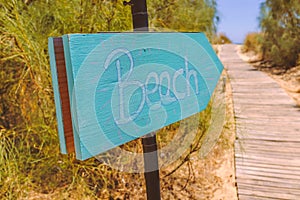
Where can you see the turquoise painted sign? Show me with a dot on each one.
(125, 85)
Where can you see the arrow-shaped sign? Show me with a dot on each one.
(122, 86)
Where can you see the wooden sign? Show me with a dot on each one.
(122, 86)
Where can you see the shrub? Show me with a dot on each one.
(279, 21)
(221, 38)
(252, 42)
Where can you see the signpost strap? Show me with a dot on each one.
(140, 23)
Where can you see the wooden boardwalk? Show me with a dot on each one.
(267, 147)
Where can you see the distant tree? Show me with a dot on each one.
(184, 15)
(221, 38)
(280, 23)
(252, 42)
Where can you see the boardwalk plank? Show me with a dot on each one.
(245, 196)
(272, 170)
(284, 129)
(272, 194)
(271, 176)
(288, 169)
(250, 145)
(268, 186)
(283, 161)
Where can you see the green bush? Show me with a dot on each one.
(279, 21)
(252, 42)
(183, 15)
(221, 39)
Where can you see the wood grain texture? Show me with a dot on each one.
(126, 85)
(61, 94)
(267, 148)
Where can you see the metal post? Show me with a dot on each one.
(151, 167)
(140, 23)
(139, 14)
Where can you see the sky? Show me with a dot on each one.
(238, 17)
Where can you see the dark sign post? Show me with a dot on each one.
(140, 23)
(139, 14)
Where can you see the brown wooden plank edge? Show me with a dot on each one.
(64, 93)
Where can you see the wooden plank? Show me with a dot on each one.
(261, 120)
(254, 96)
(274, 155)
(287, 168)
(261, 174)
(289, 130)
(255, 90)
(283, 165)
(244, 133)
(258, 184)
(282, 134)
(246, 115)
(261, 102)
(252, 83)
(251, 149)
(280, 149)
(246, 151)
(268, 186)
(251, 197)
(268, 191)
(61, 93)
(295, 173)
(278, 161)
(258, 119)
(253, 123)
(273, 194)
(253, 105)
(268, 146)
(279, 108)
(267, 113)
(267, 109)
(274, 143)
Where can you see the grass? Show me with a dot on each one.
(32, 164)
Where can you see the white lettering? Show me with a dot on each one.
(123, 84)
(179, 95)
(188, 78)
(162, 86)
